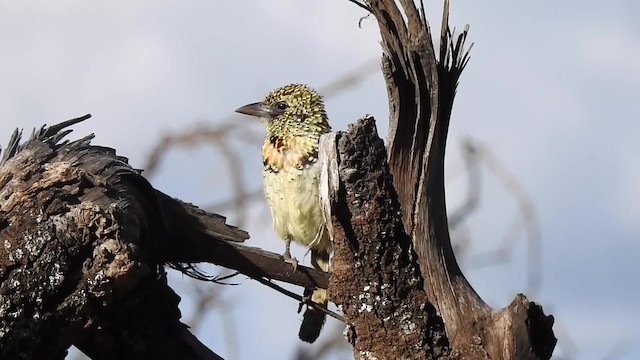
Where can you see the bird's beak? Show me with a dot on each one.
(256, 109)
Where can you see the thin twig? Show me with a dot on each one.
(362, 5)
(299, 298)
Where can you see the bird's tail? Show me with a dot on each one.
(313, 318)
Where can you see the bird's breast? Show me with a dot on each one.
(292, 195)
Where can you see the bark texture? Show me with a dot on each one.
(375, 277)
(83, 241)
(421, 84)
(81, 256)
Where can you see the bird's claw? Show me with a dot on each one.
(293, 261)
(287, 255)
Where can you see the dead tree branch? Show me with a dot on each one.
(375, 277)
(421, 84)
(84, 237)
(82, 243)
(203, 237)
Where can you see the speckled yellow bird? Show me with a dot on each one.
(294, 117)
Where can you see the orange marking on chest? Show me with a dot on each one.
(277, 153)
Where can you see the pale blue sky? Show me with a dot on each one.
(552, 88)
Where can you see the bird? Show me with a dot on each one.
(294, 117)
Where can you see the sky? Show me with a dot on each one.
(552, 90)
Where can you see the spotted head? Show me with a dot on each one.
(293, 110)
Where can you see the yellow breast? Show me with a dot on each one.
(292, 195)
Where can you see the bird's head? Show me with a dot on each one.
(293, 110)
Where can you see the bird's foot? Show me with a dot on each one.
(290, 260)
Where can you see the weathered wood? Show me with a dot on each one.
(375, 278)
(80, 262)
(421, 89)
(83, 240)
(204, 237)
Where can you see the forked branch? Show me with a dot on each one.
(421, 89)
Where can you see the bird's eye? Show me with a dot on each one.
(282, 105)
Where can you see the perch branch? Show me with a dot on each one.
(84, 238)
